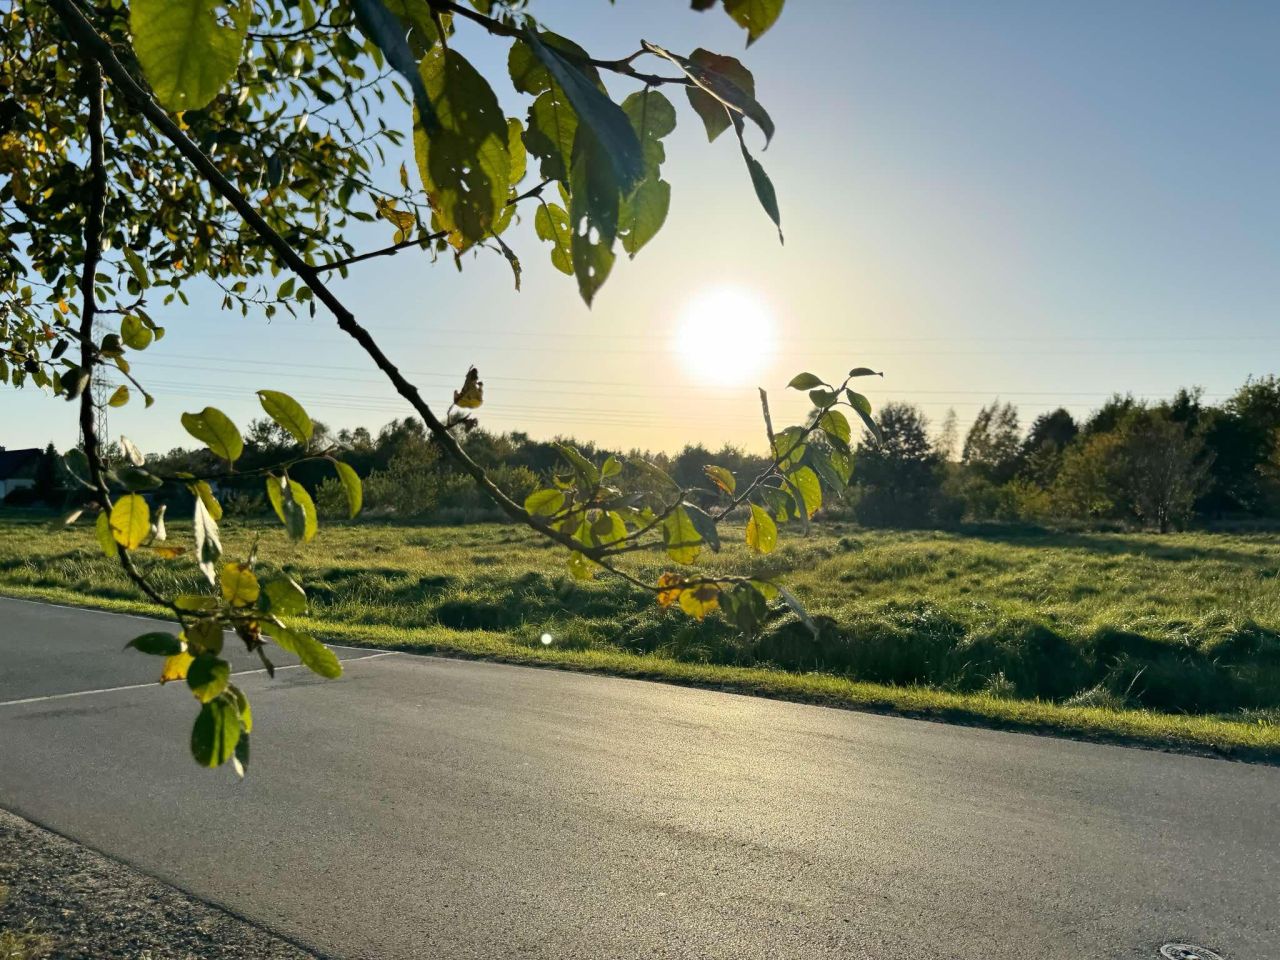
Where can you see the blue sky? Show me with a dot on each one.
(1044, 202)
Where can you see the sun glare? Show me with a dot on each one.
(725, 336)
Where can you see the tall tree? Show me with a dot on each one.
(992, 444)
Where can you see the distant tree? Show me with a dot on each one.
(46, 486)
(1242, 437)
(1107, 417)
(1041, 454)
(1149, 468)
(992, 444)
(948, 442)
(1162, 468)
(898, 478)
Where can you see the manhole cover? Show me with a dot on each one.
(1187, 951)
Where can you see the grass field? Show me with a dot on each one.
(1167, 640)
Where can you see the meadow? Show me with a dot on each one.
(1169, 640)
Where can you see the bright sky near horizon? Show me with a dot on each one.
(1045, 203)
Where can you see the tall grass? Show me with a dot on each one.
(1181, 624)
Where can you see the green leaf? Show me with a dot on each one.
(204, 636)
(246, 714)
(465, 164)
(709, 76)
(836, 424)
(580, 567)
(388, 33)
(315, 656)
(136, 479)
(135, 334)
(865, 372)
(805, 381)
(517, 156)
(595, 110)
(788, 448)
(195, 602)
(754, 16)
(130, 521)
(139, 270)
(858, 402)
(288, 413)
(642, 215)
(294, 506)
(207, 677)
(744, 606)
(544, 503)
(714, 114)
(156, 644)
(550, 130)
(593, 213)
(552, 223)
(705, 526)
(283, 597)
(120, 397)
(188, 49)
(765, 193)
(351, 486)
(644, 211)
(216, 733)
(213, 428)
(587, 475)
(681, 537)
(826, 465)
(762, 532)
(822, 398)
(863, 408)
(806, 481)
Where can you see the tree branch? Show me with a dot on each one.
(395, 248)
(94, 46)
(89, 358)
(500, 29)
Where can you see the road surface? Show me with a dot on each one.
(424, 807)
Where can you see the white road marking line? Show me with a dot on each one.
(138, 616)
(154, 683)
(67, 606)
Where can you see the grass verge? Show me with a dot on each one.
(1256, 741)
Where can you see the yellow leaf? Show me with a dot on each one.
(130, 521)
(239, 585)
(762, 532)
(175, 667)
(105, 539)
(472, 393)
(120, 397)
(670, 592)
(63, 308)
(700, 600)
(168, 552)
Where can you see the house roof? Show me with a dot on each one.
(16, 463)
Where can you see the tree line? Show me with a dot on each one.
(1161, 465)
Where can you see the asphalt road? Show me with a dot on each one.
(423, 807)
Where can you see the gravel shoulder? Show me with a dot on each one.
(88, 907)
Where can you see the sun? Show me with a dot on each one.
(725, 336)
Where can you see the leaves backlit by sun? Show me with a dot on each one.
(725, 336)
